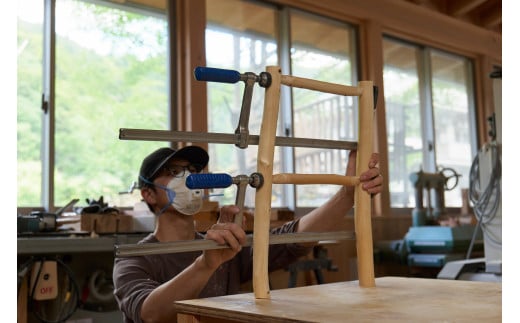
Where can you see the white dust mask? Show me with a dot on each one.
(183, 199)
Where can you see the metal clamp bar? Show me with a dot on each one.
(225, 138)
(144, 249)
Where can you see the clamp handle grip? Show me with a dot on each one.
(194, 181)
(212, 74)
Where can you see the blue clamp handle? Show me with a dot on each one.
(212, 74)
(194, 181)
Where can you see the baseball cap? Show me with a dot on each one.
(156, 160)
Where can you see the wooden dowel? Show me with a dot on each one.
(263, 194)
(304, 179)
(321, 86)
(362, 200)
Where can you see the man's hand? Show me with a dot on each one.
(224, 232)
(371, 180)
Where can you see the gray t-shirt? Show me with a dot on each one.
(136, 277)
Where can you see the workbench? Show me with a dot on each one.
(83, 255)
(394, 299)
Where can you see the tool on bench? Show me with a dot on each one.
(39, 221)
(204, 181)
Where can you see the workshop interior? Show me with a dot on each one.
(102, 83)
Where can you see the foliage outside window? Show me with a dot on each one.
(110, 73)
(29, 91)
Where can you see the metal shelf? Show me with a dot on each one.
(74, 244)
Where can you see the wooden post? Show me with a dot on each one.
(262, 214)
(23, 296)
(362, 200)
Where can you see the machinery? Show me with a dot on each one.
(436, 182)
(429, 244)
(485, 194)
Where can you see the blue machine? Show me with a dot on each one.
(434, 246)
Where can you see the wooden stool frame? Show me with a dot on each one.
(267, 141)
(362, 200)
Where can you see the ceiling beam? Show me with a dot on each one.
(462, 7)
(492, 18)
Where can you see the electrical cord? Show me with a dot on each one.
(485, 200)
(66, 302)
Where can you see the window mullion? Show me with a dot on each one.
(426, 102)
(47, 149)
(471, 103)
(284, 54)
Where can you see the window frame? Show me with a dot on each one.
(424, 56)
(433, 31)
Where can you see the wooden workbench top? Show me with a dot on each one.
(394, 299)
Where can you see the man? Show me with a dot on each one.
(147, 286)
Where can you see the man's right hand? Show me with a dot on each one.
(224, 232)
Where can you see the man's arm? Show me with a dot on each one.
(158, 306)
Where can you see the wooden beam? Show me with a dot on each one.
(409, 21)
(492, 18)
(461, 7)
(188, 95)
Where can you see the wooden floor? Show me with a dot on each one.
(394, 299)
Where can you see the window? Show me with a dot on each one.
(110, 73)
(308, 46)
(29, 91)
(323, 50)
(429, 117)
(242, 45)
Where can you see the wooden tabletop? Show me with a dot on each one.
(394, 299)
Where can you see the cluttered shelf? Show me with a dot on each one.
(99, 232)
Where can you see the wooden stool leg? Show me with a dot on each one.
(266, 147)
(362, 201)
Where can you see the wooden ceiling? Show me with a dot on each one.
(483, 13)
